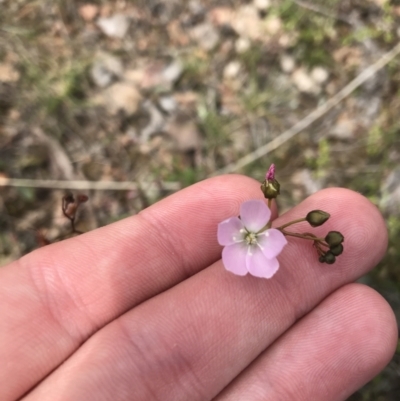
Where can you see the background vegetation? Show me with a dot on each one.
(165, 93)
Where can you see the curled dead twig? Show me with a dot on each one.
(70, 206)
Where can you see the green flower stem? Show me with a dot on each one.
(269, 224)
(303, 236)
(290, 223)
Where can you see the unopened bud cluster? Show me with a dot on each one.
(328, 248)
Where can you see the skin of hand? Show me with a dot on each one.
(143, 309)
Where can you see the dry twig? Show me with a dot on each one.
(85, 185)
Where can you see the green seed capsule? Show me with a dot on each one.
(330, 258)
(334, 238)
(317, 217)
(337, 249)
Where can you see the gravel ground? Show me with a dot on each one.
(161, 94)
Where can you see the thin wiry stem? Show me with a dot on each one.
(290, 223)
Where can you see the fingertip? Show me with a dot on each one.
(376, 326)
(361, 220)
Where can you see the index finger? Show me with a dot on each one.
(56, 297)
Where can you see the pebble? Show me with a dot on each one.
(319, 74)
(122, 96)
(273, 25)
(172, 71)
(287, 63)
(105, 69)
(168, 103)
(221, 16)
(304, 82)
(205, 35)
(242, 45)
(88, 12)
(262, 5)
(115, 26)
(247, 22)
(232, 70)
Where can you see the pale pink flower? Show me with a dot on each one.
(246, 249)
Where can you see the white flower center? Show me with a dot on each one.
(251, 238)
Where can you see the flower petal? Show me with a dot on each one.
(229, 231)
(255, 214)
(259, 266)
(234, 258)
(271, 242)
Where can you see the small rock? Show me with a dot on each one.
(155, 75)
(273, 25)
(286, 40)
(221, 16)
(122, 96)
(319, 75)
(205, 35)
(172, 72)
(242, 45)
(135, 76)
(115, 26)
(262, 5)
(304, 82)
(105, 69)
(88, 12)
(247, 23)
(168, 103)
(232, 70)
(380, 3)
(287, 63)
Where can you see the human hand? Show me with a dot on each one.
(143, 309)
